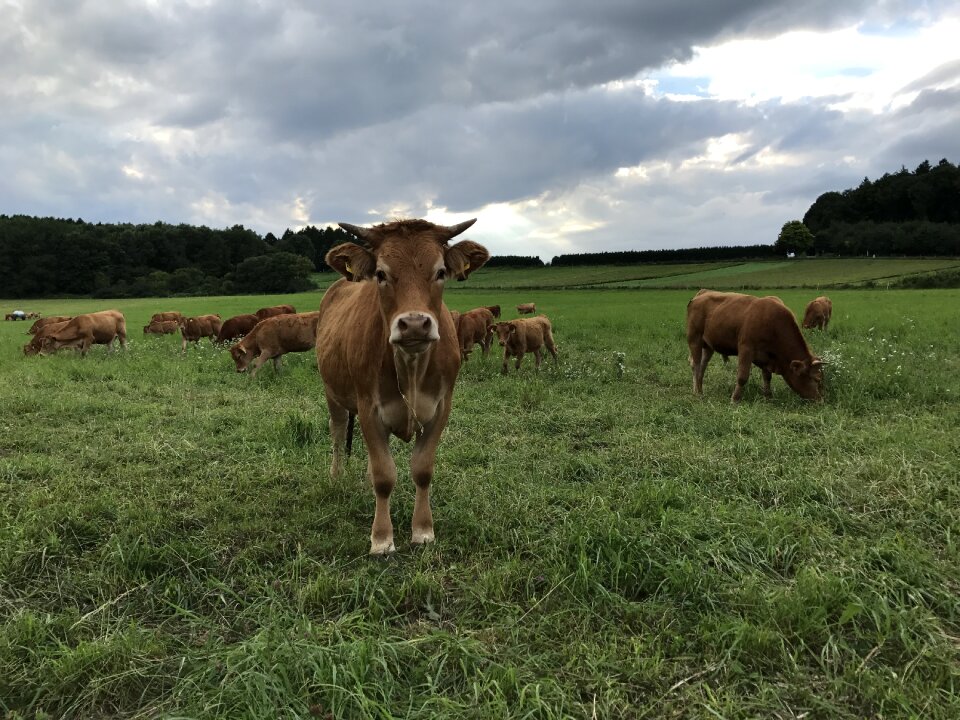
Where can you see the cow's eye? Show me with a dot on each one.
(381, 276)
(441, 274)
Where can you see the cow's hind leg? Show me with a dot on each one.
(745, 362)
(278, 364)
(551, 345)
(538, 357)
(421, 470)
(698, 363)
(766, 375)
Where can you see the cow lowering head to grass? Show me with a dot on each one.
(388, 353)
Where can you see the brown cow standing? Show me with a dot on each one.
(265, 312)
(82, 331)
(237, 327)
(388, 353)
(759, 331)
(202, 326)
(275, 337)
(43, 322)
(527, 308)
(36, 342)
(818, 313)
(475, 327)
(518, 337)
(164, 316)
(161, 327)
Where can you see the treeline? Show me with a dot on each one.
(43, 257)
(906, 213)
(517, 261)
(634, 257)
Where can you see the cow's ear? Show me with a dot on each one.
(465, 257)
(513, 329)
(352, 261)
(798, 366)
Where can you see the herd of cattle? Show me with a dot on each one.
(389, 351)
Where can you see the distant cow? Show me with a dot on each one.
(494, 310)
(36, 342)
(818, 313)
(266, 312)
(32, 315)
(164, 316)
(527, 308)
(161, 327)
(759, 331)
(16, 315)
(237, 327)
(387, 352)
(43, 322)
(519, 337)
(82, 331)
(192, 329)
(474, 327)
(273, 338)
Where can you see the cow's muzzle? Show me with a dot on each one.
(414, 332)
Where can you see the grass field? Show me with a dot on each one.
(609, 546)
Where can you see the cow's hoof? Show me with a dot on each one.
(422, 537)
(382, 549)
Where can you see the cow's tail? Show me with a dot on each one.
(350, 420)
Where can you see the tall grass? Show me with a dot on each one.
(171, 544)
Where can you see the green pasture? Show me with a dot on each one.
(608, 545)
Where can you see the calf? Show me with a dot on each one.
(163, 316)
(36, 342)
(519, 337)
(99, 328)
(202, 326)
(475, 327)
(265, 312)
(818, 313)
(43, 322)
(759, 331)
(273, 338)
(527, 308)
(160, 327)
(237, 327)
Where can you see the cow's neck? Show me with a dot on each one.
(411, 371)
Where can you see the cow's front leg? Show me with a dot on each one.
(257, 362)
(506, 357)
(766, 375)
(745, 361)
(382, 473)
(421, 470)
(538, 354)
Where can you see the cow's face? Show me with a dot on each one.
(241, 357)
(410, 262)
(504, 330)
(806, 378)
(32, 347)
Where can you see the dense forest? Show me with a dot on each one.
(905, 213)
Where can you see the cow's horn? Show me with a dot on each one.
(357, 231)
(454, 230)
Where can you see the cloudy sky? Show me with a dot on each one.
(563, 126)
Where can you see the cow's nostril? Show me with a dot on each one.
(426, 323)
(402, 325)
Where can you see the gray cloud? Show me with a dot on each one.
(239, 112)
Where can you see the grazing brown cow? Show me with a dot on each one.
(388, 353)
(527, 308)
(163, 316)
(759, 331)
(494, 310)
(161, 327)
(519, 337)
(202, 326)
(43, 322)
(265, 312)
(275, 337)
(82, 331)
(818, 313)
(475, 327)
(237, 327)
(32, 315)
(36, 342)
